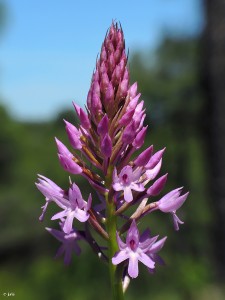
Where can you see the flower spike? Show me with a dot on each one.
(106, 151)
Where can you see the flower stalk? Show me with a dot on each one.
(115, 276)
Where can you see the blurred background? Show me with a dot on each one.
(177, 55)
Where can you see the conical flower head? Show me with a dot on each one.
(110, 79)
(113, 110)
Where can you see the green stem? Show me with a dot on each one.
(114, 272)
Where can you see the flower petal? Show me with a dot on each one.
(146, 260)
(154, 160)
(117, 186)
(60, 215)
(133, 266)
(81, 215)
(157, 246)
(119, 257)
(75, 196)
(145, 245)
(58, 234)
(115, 176)
(89, 202)
(44, 208)
(128, 196)
(145, 235)
(68, 255)
(138, 187)
(76, 248)
(127, 170)
(60, 251)
(133, 236)
(67, 227)
(120, 243)
(152, 173)
(176, 221)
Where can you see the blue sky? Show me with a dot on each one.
(49, 47)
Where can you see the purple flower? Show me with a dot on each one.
(75, 207)
(152, 253)
(50, 190)
(69, 243)
(170, 203)
(127, 181)
(135, 249)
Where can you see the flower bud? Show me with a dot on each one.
(103, 126)
(62, 149)
(109, 96)
(133, 90)
(69, 165)
(73, 135)
(122, 90)
(124, 121)
(84, 120)
(144, 157)
(96, 104)
(104, 82)
(103, 55)
(140, 138)
(172, 201)
(157, 186)
(117, 74)
(133, 102)
(112, 63)
(129, 133)
(106, 146)
(155, 159)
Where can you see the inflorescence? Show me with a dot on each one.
(103, 150)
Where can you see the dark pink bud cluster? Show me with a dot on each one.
(111, 129)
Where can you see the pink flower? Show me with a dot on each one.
(74, 207)
(135, 249)
(50, 190)
(127, 181)
(170, 203)
(69, 243)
